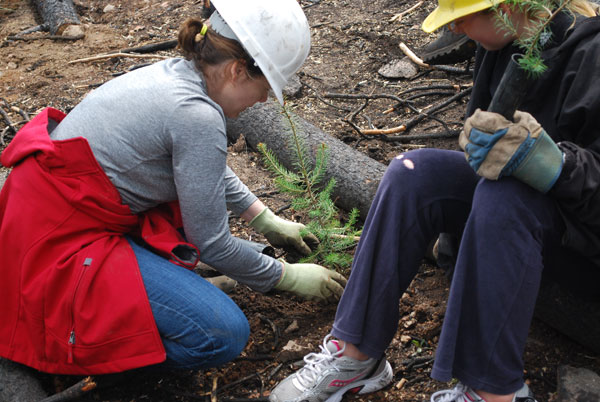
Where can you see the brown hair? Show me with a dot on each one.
(211, 48)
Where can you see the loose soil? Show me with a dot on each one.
(351, 41)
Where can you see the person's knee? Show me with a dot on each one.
(214, 346)
(229, 339)
(499, 199)
(238, 334)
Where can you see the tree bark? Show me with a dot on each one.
(357, 176)
(19, 383)
(57, 14)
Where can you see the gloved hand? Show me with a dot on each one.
(312, 282)
(280, 232)
(496, 147)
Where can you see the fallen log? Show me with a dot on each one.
(19, 383)
(357, 176)
(57, 15)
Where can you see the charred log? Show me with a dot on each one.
(19, 383)
(57, 15)
(357, 176)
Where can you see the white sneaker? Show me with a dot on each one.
(328, 375)
(463, 393)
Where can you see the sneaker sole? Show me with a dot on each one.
(367, 385)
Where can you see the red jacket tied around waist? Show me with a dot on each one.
(72, 297)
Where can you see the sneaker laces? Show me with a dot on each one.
(450, 395)
(316, 363)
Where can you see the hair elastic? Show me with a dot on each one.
(201, 34)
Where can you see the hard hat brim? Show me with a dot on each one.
(277, 72)
(444, 15)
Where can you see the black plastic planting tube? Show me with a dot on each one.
(513, 86)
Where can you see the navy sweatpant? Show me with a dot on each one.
(510, 233)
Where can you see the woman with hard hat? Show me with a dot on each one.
(523, 198)
(92, 261)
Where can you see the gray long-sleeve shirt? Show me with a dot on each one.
(160, 138)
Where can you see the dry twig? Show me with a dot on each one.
(399, 16)
(413, 57)
(213, 392)
(120, 54)
(273, 327)
(52, 37)
(74, 392)
(387, 131)
(151, 47)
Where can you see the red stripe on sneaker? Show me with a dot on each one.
(337, 345)
(341, 383)
(356, 389)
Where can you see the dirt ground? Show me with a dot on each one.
(351, 41)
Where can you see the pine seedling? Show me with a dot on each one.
(313, 198)
(538, 33)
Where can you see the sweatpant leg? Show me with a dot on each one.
(422, 193)
(511, 230)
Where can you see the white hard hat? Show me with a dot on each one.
(275, 33)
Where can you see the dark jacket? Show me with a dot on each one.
(565, 100)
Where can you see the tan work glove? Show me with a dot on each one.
(312, 282)
(496, 147)
(281, 232)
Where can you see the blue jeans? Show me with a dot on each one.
(200, 326)
(510, 235)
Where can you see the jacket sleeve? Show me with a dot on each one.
(577, 189)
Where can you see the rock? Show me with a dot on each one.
(292, 327)
(405, 339)
(74, 31)
(577, 385)
(399, 68)
(109, 8)
(292, 351)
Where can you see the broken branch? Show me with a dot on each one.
(387, 131)
(76, 391)
(53, 37)
(399, 16)
(151, 47)
(413, 57)
(113, 55)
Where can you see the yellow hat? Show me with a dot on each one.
(449, 10)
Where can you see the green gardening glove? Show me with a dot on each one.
(312, 282)
(496, 147)
(281, 233)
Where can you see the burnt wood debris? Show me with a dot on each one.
(58, 15)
